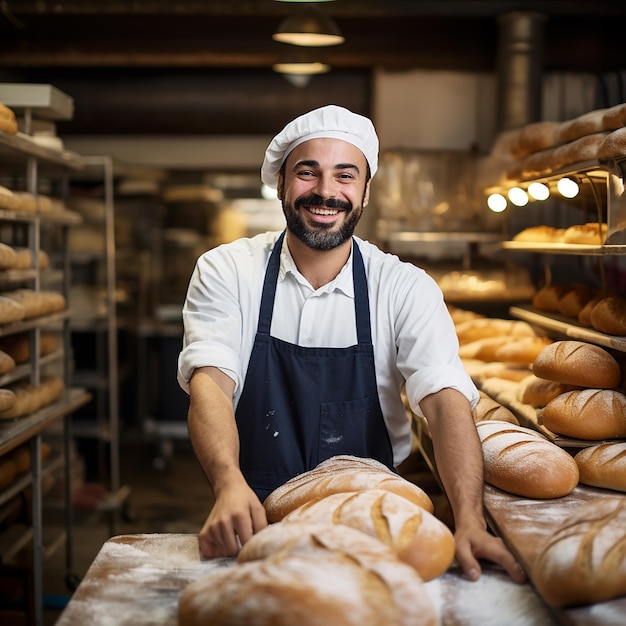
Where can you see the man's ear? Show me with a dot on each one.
(280, 186)
(366, 194)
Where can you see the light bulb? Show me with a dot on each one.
(567, 188)
(518, 196)
(496, 202)
(539, 191)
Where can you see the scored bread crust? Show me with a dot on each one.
(413, 534)
(603, 465)
(578, 363)
(305, 590)
(583, 562)
(342, 473)
(520, 461)
(593, 414)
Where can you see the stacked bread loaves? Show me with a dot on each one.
(584, 561)
(587, 305)
(346, 548)
(596, 409)
(523, 462)
(309, 575)
(8, 122)
(540, 148)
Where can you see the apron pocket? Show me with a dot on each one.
(354, 427)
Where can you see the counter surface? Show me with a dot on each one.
(136, 579)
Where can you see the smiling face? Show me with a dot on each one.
(323, 190)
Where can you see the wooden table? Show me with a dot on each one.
(135, 580)
(526, 525)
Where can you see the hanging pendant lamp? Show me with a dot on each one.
(309, 27)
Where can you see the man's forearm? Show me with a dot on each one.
(212, 426)
(458, 453)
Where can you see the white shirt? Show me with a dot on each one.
(412, 333)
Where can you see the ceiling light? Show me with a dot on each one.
(309, 1)
(309, 27)
(300, 62)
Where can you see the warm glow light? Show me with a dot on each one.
(567, 188)
(496, 202)
(539, 191)
(518, 196)
(309, 27)
(312, 67)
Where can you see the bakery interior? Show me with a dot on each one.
(139, 133)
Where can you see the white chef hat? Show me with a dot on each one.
(329, 121)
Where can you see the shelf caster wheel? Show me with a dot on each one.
(72, 581)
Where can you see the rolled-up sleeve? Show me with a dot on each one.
(428, 348)
(212, 320)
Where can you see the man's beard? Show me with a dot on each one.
(323, 237)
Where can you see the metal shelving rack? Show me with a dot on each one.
(21, 157)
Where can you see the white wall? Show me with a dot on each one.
(434, 110)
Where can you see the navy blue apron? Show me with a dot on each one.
(300, 406)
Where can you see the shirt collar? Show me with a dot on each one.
(343, 281)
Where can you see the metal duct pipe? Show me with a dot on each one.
(520, 68)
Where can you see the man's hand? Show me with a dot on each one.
(477, 543)
(235, 517)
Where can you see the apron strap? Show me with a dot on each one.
(361, 299)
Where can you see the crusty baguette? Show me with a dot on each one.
(583, 562)
(603, 465)
(578, 363)
(415, 536)
(339, 474)
(587, 414)
(523, 462)
(305, 590)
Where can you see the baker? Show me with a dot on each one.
(297, 345)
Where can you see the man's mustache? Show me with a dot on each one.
(329, 203)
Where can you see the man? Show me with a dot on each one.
(297, 346)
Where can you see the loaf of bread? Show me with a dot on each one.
(591, 233)
(614, 117)
(614, 145)
(603, 465)
(488, 409)
(523, 350)
(7, 399)
(8, 122)
(8, 472)
(573, 302)
(7, 256)
(311, 538)
(308, 590)
(7, 363)
(538, 391)
(609, 315)
(483, 349)
(539, 234)
(548, 297)
(520, 461)
(581, 126)
(578, 363)
(37, 303)
(584, 317)
(413, 534)
(583, 561)
(10, 310)
(340, 474)
(472, 330)
(534, 137)
(587, 414)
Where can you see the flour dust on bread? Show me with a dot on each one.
(339, 474)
